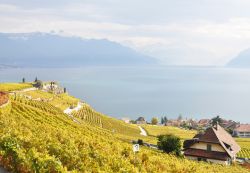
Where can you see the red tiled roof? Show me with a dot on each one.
(219, 136)
(206, 154)
(243, 128)
(204, 121)
(209, 136)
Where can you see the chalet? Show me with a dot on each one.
(215, 145)
(243, 130)
(141, 120)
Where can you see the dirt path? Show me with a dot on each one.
(77, 108)
(69, 111)
(143, 132)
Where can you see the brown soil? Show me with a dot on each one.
(4, 98)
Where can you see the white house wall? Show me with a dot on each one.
(203, 146)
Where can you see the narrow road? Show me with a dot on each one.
(24, 90)
(143, 132)
(69, 111)
(77, 108)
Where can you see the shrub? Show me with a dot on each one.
(140, 142)
(169, 144)
(154, 121)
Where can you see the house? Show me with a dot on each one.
(230, 125)
(204, 122)
(3, 98)
(174, 123)
(193, 124)
(126, 120)
(50, 86)
(242, 130)
(189, 123)
(214, 145)
(141, 120)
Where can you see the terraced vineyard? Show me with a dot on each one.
(36, 136)
(244, 153)
(61, 101)
(159, 130)
(14, 86)
(245, 147)
(125, 131)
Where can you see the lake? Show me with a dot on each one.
(194, 92)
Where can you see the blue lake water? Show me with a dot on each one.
(152, 91)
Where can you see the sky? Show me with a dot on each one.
(179, 32)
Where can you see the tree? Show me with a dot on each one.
(132, 121)
(179, 117)
(38, 84)
(36, 79)
(154, 121)
(216, 120)
(162, 120)
(64, 90)
(140, 142)
(165, 119)
(23, 80)
(169, 144)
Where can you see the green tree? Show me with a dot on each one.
(216, 120)
(132, 121)
(169, 144)
(23, 80)
(140, 142)
(179, 117)
(154, 121)
(38, 84)
(162, 120)
(165, 119)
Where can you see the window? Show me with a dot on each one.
(209, 147)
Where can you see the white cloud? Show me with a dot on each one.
(185, 42)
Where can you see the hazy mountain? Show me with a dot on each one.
(50, 50)
(241, 60)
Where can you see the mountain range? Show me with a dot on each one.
(242, 60)
(51, 50)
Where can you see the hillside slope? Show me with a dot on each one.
(36, 136)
